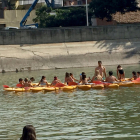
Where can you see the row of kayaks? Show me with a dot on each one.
(70, 88)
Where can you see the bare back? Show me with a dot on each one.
(111, 79)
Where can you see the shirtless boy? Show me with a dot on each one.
(101, 69)
(111, 78)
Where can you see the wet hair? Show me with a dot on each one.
(42, 78)
(32, 79)
(133, 72)
(119, 66)
(83, 77)
(26, 79)
(83, 73)
(138, 72)
(100, 62)
(20, 79)
(55, 78)
(28, 133)
(110, 73)
(71, 74)
(67, 74)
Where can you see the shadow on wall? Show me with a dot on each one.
(131, 47)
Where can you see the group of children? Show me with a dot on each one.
(100, 73)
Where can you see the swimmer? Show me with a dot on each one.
(26, 83)
(111, 78)
(84, 80)
(68, 78)
(71, 75)
(21, 82)
(120, 72)
(138, 74)
(97, 76)
(101, 69)
(55, 81)
(43, 82)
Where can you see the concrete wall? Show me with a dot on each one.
(66, 55)
(61, 35)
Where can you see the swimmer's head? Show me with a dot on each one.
(119, 66)
(99, 63)
(138, 72)
(55, 78)
(32, 79)
(26, 79)
(134, 73)
(110, 73)
(71, 74)
(20, 80)
(83, 73)
(67, 74)
(43, 78)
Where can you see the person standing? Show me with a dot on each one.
(101, 69)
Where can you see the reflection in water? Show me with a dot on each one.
(94, 114)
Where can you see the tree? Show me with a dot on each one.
(106, 8)
(75, 16)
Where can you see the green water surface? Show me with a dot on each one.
(95, 114)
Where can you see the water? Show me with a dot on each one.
(95, 114)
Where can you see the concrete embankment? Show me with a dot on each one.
(65, 55)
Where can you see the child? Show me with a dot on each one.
(120, 72)
(55, 81)
(68, 78)
(43, 82)
(84, 80)
(21, 83)
(111, 78)
(97, 76)
(26, 83)
(32, 79)
(81, 75)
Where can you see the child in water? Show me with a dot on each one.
(84, 80)
(55, 81)
(120, 72)
(43, 82)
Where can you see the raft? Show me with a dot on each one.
(49, 89)
(97, 86)
(84, 87)
(19, 89)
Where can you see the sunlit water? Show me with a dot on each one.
(95, 114)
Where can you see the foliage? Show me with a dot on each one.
(75, 16)
(106, 8)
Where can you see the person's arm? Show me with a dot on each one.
(124, 75)
(118, 73)
(75, 79)
(38, 84)
(71, 79)
(104, 72)
(47, 83)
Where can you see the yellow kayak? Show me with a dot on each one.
(126, 84)
(19, 90)
(9, 89)
(112, 86)
(98, 86)
(84, 87)
(36, 89)
(50, 89)
(68, 88)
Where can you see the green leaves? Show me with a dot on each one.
(75, 16)
(106, 8)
